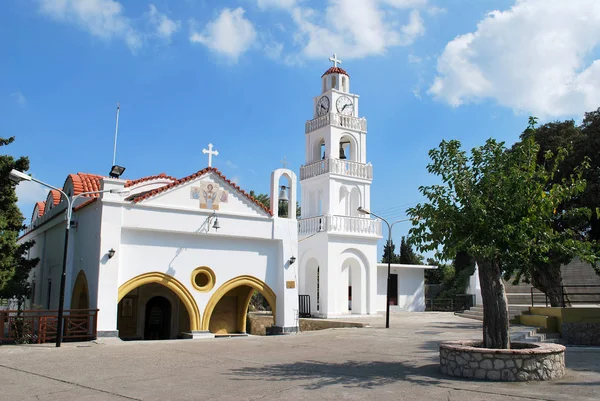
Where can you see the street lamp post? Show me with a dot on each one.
(18, 176)
(389, 261)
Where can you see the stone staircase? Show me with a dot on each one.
(476, 312)
(528, 334)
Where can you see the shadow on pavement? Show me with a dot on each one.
(349, 374)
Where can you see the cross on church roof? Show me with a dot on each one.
(210, 153)
(284, 162)
(335, 60)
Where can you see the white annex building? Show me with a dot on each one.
(162, 257)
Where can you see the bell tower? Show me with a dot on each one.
(336, 180)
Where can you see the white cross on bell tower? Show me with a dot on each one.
(335, 60)
(210, 152)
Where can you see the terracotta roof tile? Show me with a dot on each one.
(83, 182)
(200, 173)
(131, 183)
(40, 208)
(84, 204)
(55, 197)
(335, 70)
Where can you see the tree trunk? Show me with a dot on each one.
(495, 305)
(548, 279)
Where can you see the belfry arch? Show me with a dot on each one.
(226, 309)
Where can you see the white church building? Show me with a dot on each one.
(162, 257)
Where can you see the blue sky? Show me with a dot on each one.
(242, 74)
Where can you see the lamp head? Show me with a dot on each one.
(363, 210)
(116, 171)
(292, 260)
(119, 191)
(18, 176)
(216, 225)
(111, 253)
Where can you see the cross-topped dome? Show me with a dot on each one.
(335, 77)
(335, 69)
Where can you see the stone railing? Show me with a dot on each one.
(337, 166)
(336, 119)
(340, 224)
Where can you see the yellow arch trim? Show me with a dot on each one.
(249, 281)
(171, 283)
(81, 284)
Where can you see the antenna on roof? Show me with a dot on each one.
(116, 133)
(116, 171)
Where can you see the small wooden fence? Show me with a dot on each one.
(39, 326)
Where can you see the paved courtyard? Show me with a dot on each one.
(400, 363)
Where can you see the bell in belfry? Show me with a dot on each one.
(342, 154)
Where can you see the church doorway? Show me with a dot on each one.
(158, 319)
(227, 309)
(155, 306)
(393, 289)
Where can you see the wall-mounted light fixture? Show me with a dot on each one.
(116, 171)
(111, 253)
(292, 260)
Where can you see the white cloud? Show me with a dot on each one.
(353, 28)
(230, 164)
(230, 34)
(412, 59)
(29, 193)
(536, 57)
(265, 4)
(164, 26)
(101, 18)
(19, 98)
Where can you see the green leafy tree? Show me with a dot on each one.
(463, 268)
(442, 274)
(386, 250)
(408, 255)
(578, 213)
(14, 264)
(496, 206)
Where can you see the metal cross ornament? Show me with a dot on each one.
(335, 60)
(284, 162)
(210, 152)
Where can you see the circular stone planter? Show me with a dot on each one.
(523, 362)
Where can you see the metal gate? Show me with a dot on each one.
(304, 302)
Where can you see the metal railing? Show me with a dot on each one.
(459, 303)
(571, 294)
(39, 326)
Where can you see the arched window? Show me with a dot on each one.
(344, 84)
(334, 81)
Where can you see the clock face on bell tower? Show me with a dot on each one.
(344, 105)
(322, 105)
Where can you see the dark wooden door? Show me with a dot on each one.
(393, 289)
(158, 319)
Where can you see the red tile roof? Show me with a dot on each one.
(40, 208)
(84, 204)
(131, 183)
(335, 70)
(55, 197)
(83, 182)
(194, 176)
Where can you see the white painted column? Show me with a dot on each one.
(108, 274)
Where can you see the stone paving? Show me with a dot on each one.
(374, 363)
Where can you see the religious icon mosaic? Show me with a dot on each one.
(210, 194)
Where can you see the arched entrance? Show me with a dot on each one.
(157, 325)
(80, 298)
(354, 288)
(156, 306)
(226, 310)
